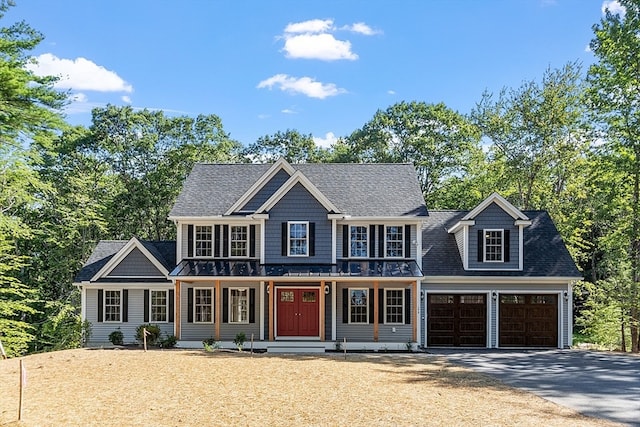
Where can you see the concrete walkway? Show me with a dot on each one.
(598, 384)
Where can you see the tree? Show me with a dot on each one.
(438, 141)
(614, 89)
(291, 144)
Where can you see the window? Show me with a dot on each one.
(239, 305)
(239, 241)
(112, 306)
(203, 240)
(298, 239)
(358, 305)
(159, 302)
(394, 241)
(358, 240)
(493, 244)
(394, 306)
(203, 305)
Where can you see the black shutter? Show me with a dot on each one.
(146, 305)
(372, 241)
(312, 239)
(381, 312)
(407, 241)
(225, 305)
(172, 297)
(190, 240)
(407, 306)
(506, 245)
(345, 241)
(216, 241)
(100, 305)
(225, 241)
(381, 253)
(189, 305)
(125, 305)
(252, 241)
(371, 306)
(345, 305)
(252, 305)
(480, 245)
(283, 243)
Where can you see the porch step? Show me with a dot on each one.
(296, 347)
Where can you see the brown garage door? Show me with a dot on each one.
(528, 320)
(457, 320)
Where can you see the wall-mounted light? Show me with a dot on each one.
(494, 295)
(327, 289)
(565, 294)
(421, 295)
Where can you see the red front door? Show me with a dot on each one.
(298, 312)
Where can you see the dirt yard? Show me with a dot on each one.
(189, 388)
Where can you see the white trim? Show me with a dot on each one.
(306, 224)
(280, 164)
(384, 306)
(213, 305)
(130, 285)
(195, 241)
(465, 247)
(366, 228)
(83, 303)
(334, 305)
(263, 303)
(104, 305)
(275, 311)
(521, 246)
(248, 240)
(514, 212)
(296, 178)
(385, 242)
(122, 254)
(366, 305)
(166, 292)
(532, 280)
(460, 224)
(334, 241)
(230, 307)
(391, 220)
(484, 245)
(179, 241)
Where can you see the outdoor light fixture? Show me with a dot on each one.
(566, 295)
(327, 289)
(494, 295)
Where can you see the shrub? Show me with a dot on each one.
(169, 342)
(153, 334)
(210, 344)
(116, 337)
(239, 340)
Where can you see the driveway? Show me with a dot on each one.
(597, 384)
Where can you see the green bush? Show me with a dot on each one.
(239, 340)
(116, 337)
(169, 342)
(153, 334)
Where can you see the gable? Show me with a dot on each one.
(266, 191)
(135, 264)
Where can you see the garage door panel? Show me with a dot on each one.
(528, 320)
(456, 320)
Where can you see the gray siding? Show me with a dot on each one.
(298, 205)
(266, 191)
(100, 330)
(460, 242)
(493, 217)
(228, 331)
(136, 264)
(377, 238)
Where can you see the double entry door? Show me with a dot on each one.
(298, 312)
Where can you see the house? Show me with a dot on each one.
(306, 256)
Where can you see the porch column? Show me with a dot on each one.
(414, 315)
(272, 297)
(322, 310)
(177, 311)
(376, 326)
(218, 308)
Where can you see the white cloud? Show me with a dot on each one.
(79, 74)
(78, 97)
(326, 142)
(302, 85)
(289, 111)
(391, 92)
(263, 116)
(318, 46)
(361, 28)
(614, 7)
(311, 26)
(126, 99)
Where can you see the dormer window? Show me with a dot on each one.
(493, 245)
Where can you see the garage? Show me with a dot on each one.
(528, 320)
(457, 320)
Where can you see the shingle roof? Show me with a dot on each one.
(164, 251)
(545, 254)
(356, 189)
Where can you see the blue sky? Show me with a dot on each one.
(320, 67)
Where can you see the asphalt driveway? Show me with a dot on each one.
(604, 385)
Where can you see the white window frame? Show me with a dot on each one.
(196, 240)
(352, 229)
(387, 241)
(104, 305)
(366, 306)
(306, 239)
(166, 305)
(246, 241)
(485, 244)
(231, 308)
(195, 306)
(386, 313)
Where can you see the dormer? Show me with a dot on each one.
(490, 237)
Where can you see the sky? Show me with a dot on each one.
(320, 67)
